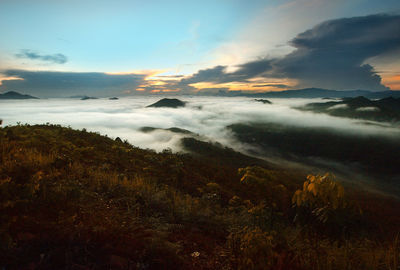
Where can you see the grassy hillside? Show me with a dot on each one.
(73, 199)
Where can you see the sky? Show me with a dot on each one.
(121, 47)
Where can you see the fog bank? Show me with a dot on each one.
(206, 116)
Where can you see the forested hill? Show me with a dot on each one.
(72, 199)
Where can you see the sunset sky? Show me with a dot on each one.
(96, 47)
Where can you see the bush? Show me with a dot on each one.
(322, 208)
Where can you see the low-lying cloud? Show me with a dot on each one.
(338, 107)
(205, 116)
(368, 109)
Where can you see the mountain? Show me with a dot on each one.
(314, 93)
(265, 101)
(218, 154)
(326, 148)
(386, 109)
(16, 95)
(86, 98)
(390, 103)
(168, 102)
(172, 129)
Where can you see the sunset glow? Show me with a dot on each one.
(192, 47)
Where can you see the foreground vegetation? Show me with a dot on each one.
(76, 200)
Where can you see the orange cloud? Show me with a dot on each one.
(254, 85)
(391, 81)
(9, 79)
(170, 90)
(148, 73)
(150, 79)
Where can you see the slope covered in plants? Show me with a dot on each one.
(73, 199)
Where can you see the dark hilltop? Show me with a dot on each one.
(168, 103)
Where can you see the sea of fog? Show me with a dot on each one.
(206, 116)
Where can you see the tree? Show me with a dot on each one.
(322, 208)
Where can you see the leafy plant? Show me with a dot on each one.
(322, 208)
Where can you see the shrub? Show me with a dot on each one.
(322, 208)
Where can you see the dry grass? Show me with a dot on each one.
(77, 200)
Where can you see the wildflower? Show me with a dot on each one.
(195, 254)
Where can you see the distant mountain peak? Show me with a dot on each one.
(87, 97)
(169, 103)
(16, 95)
(314, 92)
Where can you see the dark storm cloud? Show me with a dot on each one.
(57, 58)
(59, 84)
(215, 74)
(333, 53)
(253, 69)
(218, 74)
(330, 55)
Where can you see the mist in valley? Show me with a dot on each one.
(243, 124)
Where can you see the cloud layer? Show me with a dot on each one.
(207, 116)
(56, 84)
(57, 58)
(331, 55)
